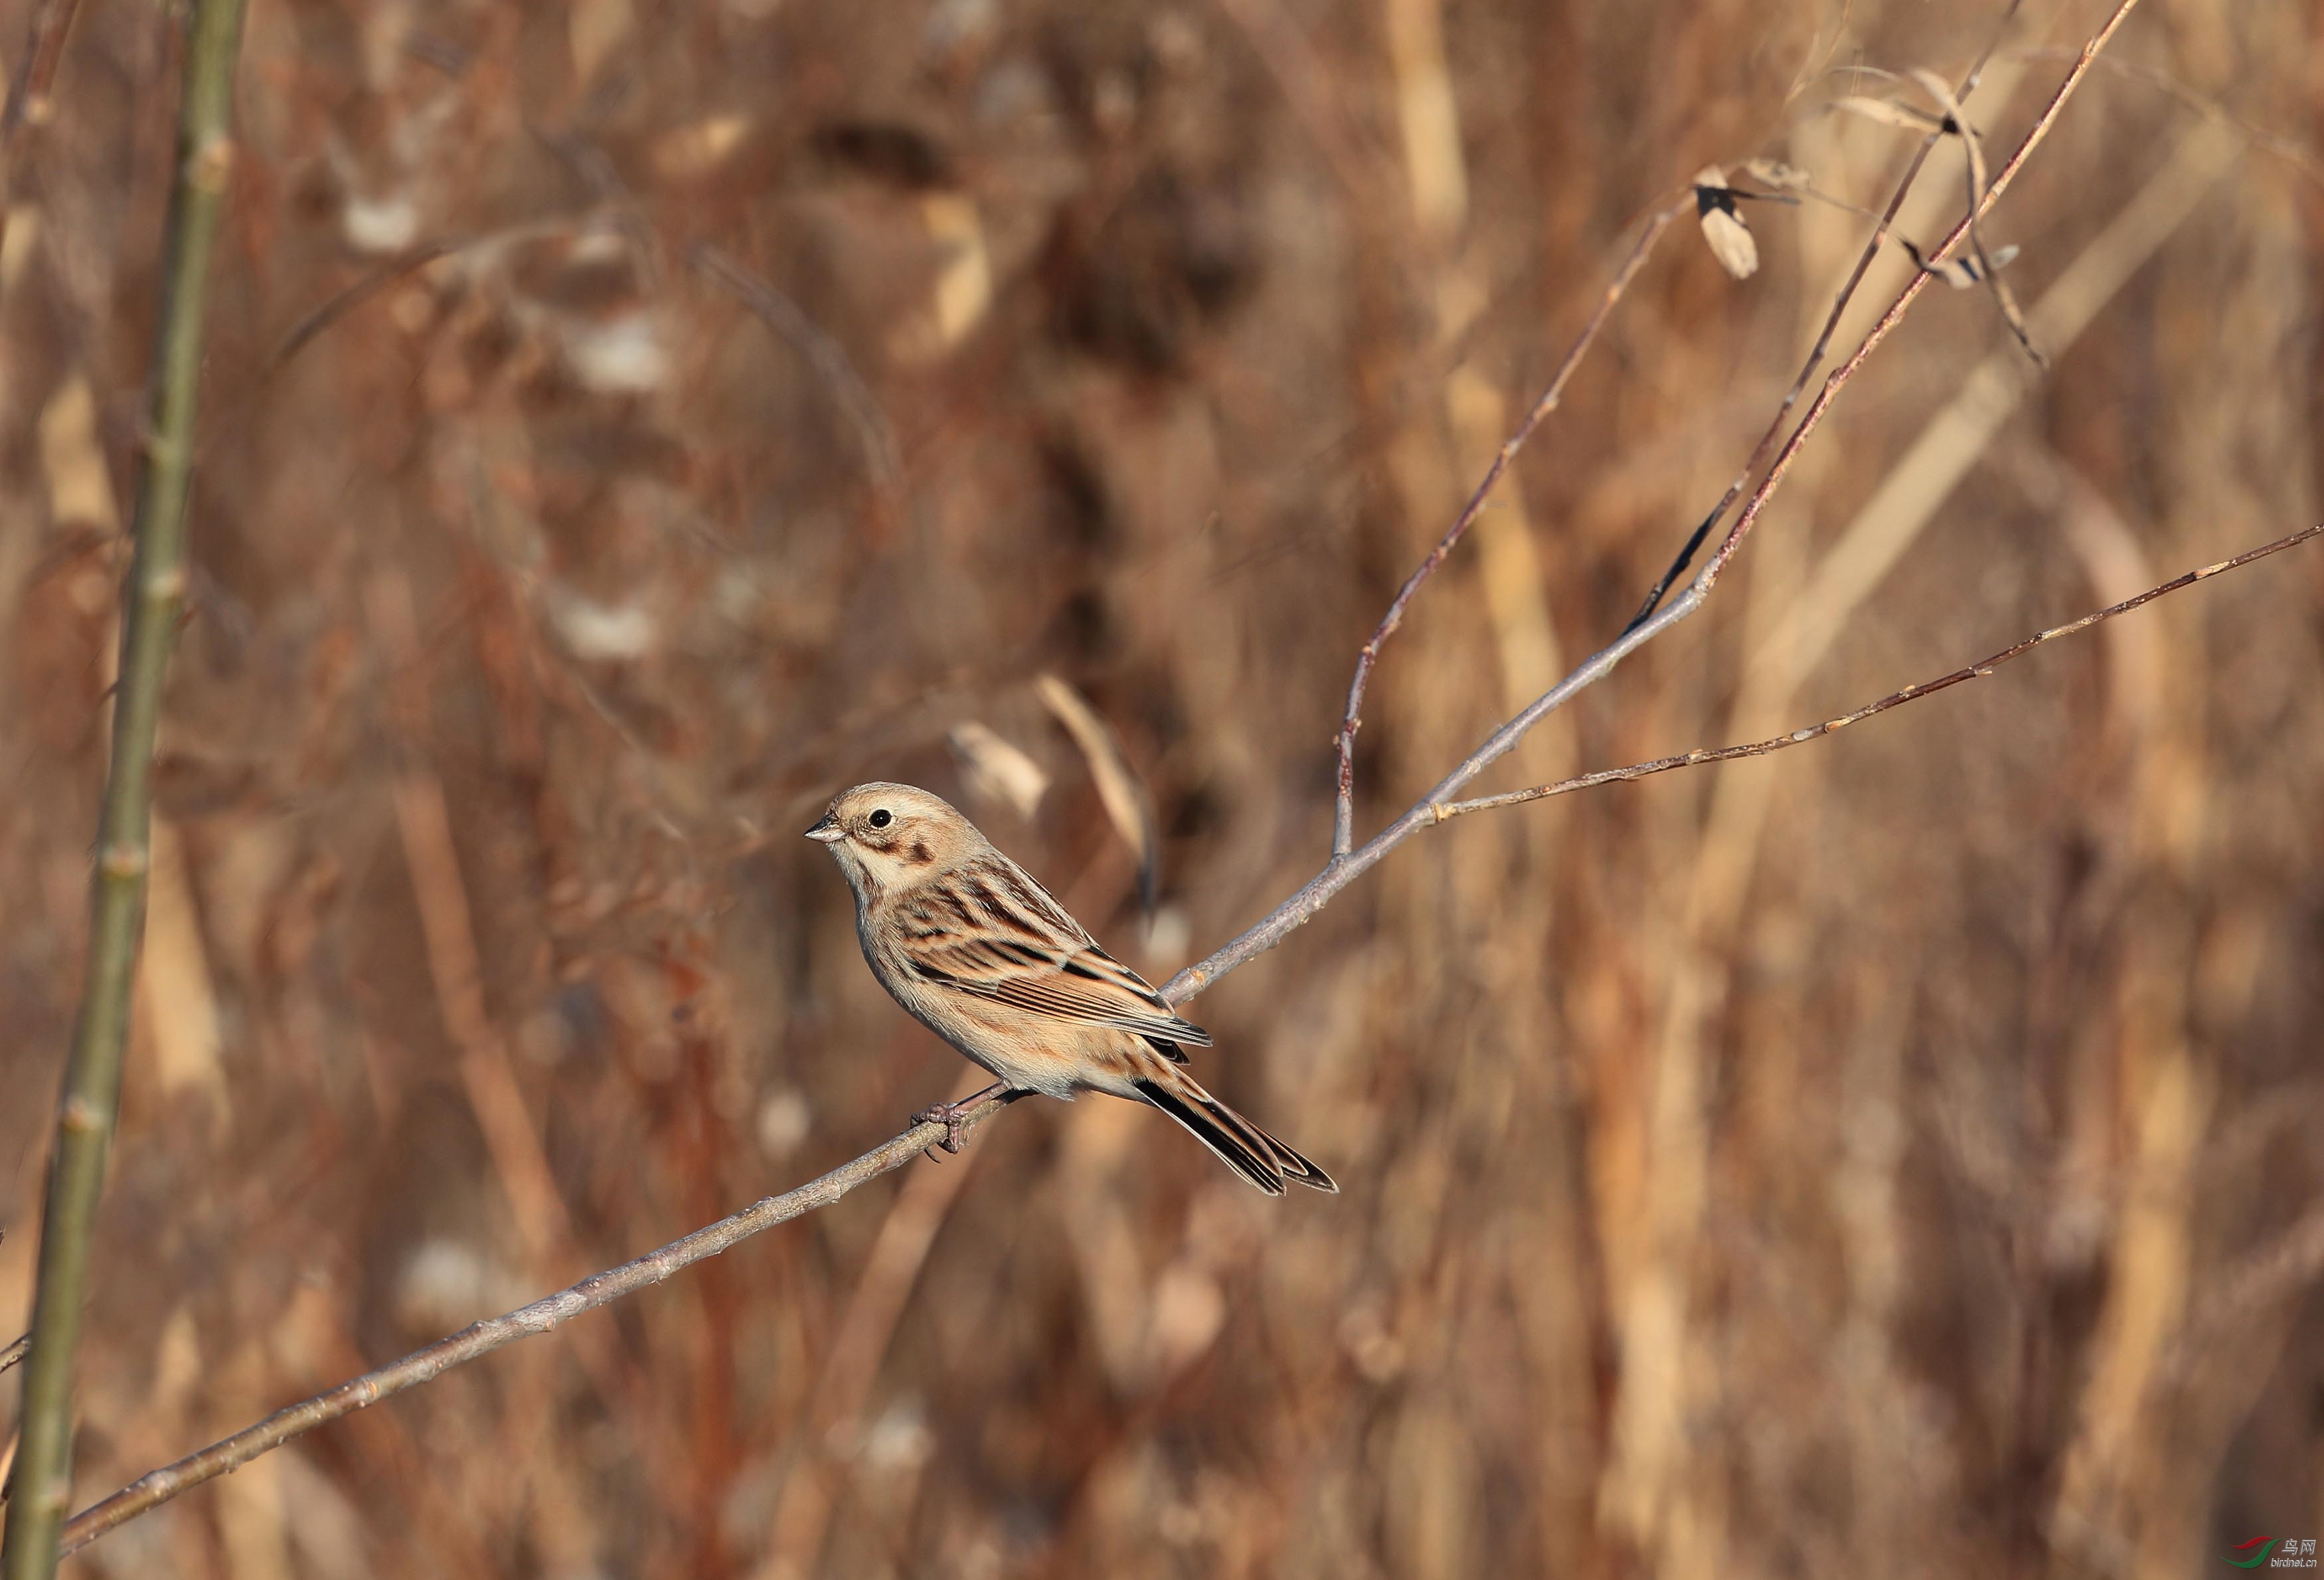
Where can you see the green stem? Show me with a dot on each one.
(43, 1480)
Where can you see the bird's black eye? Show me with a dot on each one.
(881, 818)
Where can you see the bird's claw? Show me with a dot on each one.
(947, 1114)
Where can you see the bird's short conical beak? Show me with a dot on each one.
(828, 831)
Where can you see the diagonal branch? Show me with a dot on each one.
(1815, 359)
(1344, 816)
(1823, 346)
(1888, 320)
(1800, 737)
(482, 1338)
(1346, 865)
(28, 104)
(882, 457)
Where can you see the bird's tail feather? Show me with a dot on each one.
(1241, 1145)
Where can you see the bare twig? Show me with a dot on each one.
(1988, 265)
(2293, 151)
(483, 1338)
(378, 280)
(1344, 817)
(28, 93)
(14, 1351)
(2265, 1279)
(1881, 230)
(1344, 867)
(154, 600)
(829, 360)
(1975, 671)
(1892, 518)
(45, 48)
(834, 1413)
(454, 968)
(1912, 289)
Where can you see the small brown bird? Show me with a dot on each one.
(984, 958)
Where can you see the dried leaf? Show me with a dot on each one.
(997, 770)
(1963, 273)
(963, 288)
(1889, 113)
(1939, 89)
(1980, 264)
(697, 150)
(1124, 793)
(1775, 173)
(1723, 229)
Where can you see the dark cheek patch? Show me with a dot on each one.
(921, 855)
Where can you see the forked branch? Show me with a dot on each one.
(1343, 815)
(1346, 865)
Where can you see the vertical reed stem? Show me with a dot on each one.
(151, 602)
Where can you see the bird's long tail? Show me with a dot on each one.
(1241, 1145)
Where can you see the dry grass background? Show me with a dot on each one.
(1899, 1155)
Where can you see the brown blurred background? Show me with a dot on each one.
(1900, 1155)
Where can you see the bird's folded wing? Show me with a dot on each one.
(1084, 984)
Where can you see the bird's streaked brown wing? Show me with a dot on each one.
(1084, 984)
(990, 930)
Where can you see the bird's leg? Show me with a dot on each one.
(950, 1114)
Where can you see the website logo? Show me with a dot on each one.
(2276, 1552)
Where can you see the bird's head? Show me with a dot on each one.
(889, 837)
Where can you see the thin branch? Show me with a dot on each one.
(14, 1350)
(1881, 230)
(482, 1338)
(2293, 151)
(1888, 320)
(2265, 1279)
(44, 49)
(153, 598)
(1344, 817)
(1975, 671)
(377, 279)
(1989, 266)
(881, 455)
(28, 104)
(833, 1414)
(1344, 867)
